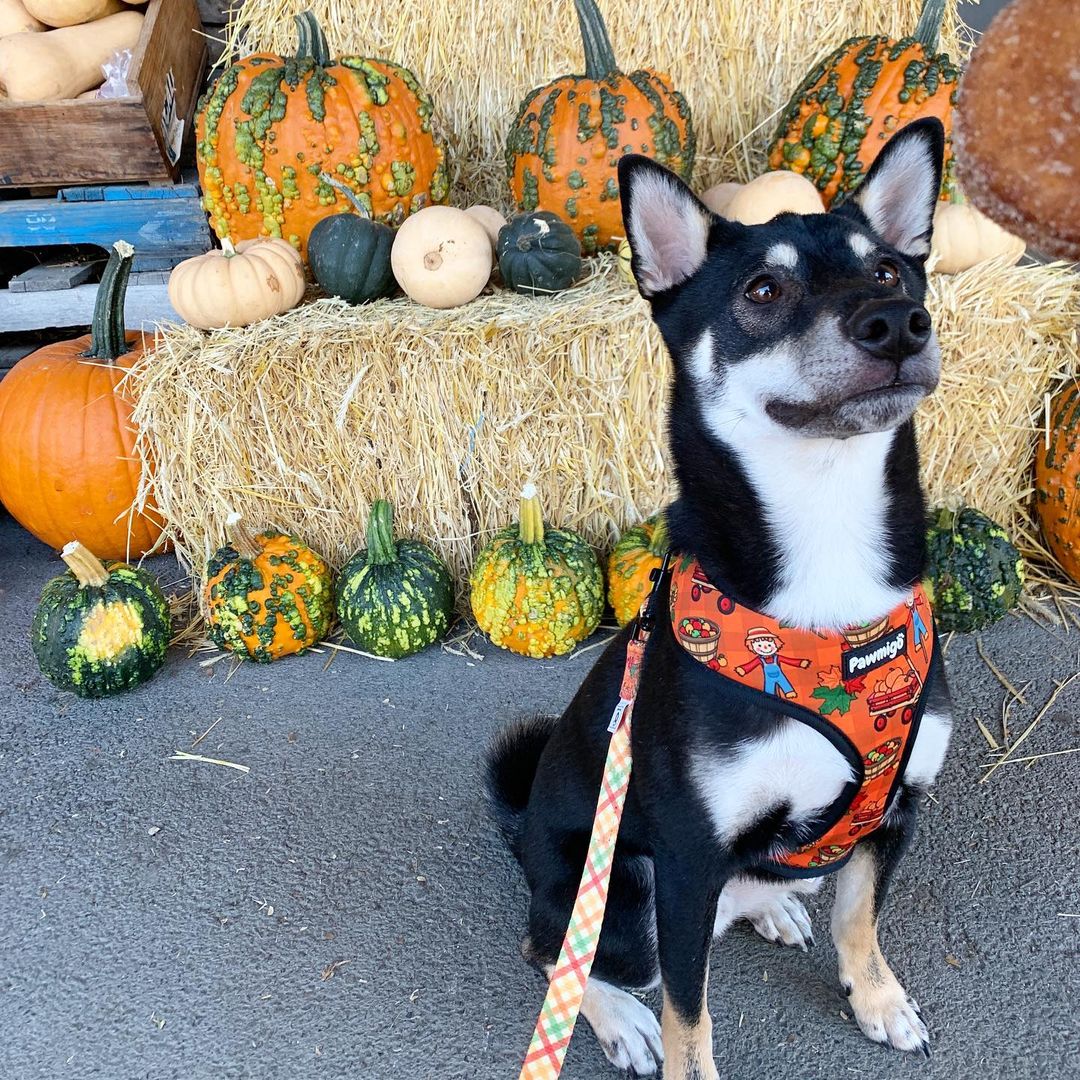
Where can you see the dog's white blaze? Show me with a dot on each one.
(899, 200)
(669, 231)
(793, 765)
(783, 254)
(861, 244)
(824, 499)
(928, 753)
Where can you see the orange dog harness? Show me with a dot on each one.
(863, 688)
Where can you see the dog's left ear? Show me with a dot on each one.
(900, 192)
(666, 224)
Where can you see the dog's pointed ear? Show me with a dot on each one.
(666, 224)
(899, 194)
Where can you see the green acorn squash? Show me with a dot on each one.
(100, 628)
(536, 590)
(974, 574)
(349, 254)
(394, 597)
(538, 253)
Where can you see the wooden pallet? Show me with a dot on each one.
(163, 224)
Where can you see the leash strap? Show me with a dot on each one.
(555, 1026)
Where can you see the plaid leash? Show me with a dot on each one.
(555, 1026)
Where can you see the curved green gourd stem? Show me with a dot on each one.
(348, 192)
(531, 523)
(928, 29)
(88, 569)
(108, 340)
(659, 544)
(380, 534)
(310, 40)
(599, 55)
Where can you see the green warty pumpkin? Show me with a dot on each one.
(100, 628)
(974, 573)
(394, 597)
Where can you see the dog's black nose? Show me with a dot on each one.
(890, 329)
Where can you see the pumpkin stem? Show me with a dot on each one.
(108, 339)
(310, 39)
(659, 544)
(531, 527)
(928, 30)
(88, 569)
(228, 248)
(380, 534)
(599, 55)
(241, 538)
(348, 192)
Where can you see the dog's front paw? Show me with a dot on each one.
(628, 1032)
(887, 1015)
(783, 920)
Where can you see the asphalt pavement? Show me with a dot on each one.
(345, 909)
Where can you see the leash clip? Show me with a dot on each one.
(646, 620)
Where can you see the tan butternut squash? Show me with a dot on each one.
(71, 12)
(63, 63)
(15, 19)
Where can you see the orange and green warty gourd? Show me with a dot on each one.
(270, 126)
(563, 149)
(850, 104)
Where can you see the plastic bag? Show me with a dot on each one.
(116, 70)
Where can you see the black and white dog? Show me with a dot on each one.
(801, 348)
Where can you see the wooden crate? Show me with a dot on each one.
(52, 143)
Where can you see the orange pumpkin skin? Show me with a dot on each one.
(69, 469)
(1057, 481)
(270, 126)
(849, 106)
(563, 149)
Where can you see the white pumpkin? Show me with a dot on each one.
(491, 219)
(774, 193)
(719, 196)
(71, 12)
(441, 257)
(238, 286)
(965, 237)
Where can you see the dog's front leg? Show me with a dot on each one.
(686, 897)
(881, 1005)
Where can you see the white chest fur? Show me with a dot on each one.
(793, 765)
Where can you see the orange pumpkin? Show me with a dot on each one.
(640, 550)
(69, 469)
(857, 97)
(563, 149)
(1057, 481)
(271, 126)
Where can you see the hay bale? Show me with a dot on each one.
(737, 62)
(301, 420)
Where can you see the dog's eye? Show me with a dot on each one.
(763, 290)
(887, 274)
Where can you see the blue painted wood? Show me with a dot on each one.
(162, 228)
(124, 192)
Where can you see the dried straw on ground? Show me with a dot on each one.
(737, 61)
(301, 420)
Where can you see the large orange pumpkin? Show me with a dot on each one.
(69, 469)
(1057, 481)
(271, 126)
(563, 149)
(857, 97)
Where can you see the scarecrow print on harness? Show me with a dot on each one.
(862, 688)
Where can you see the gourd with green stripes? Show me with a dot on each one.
(395, 597)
